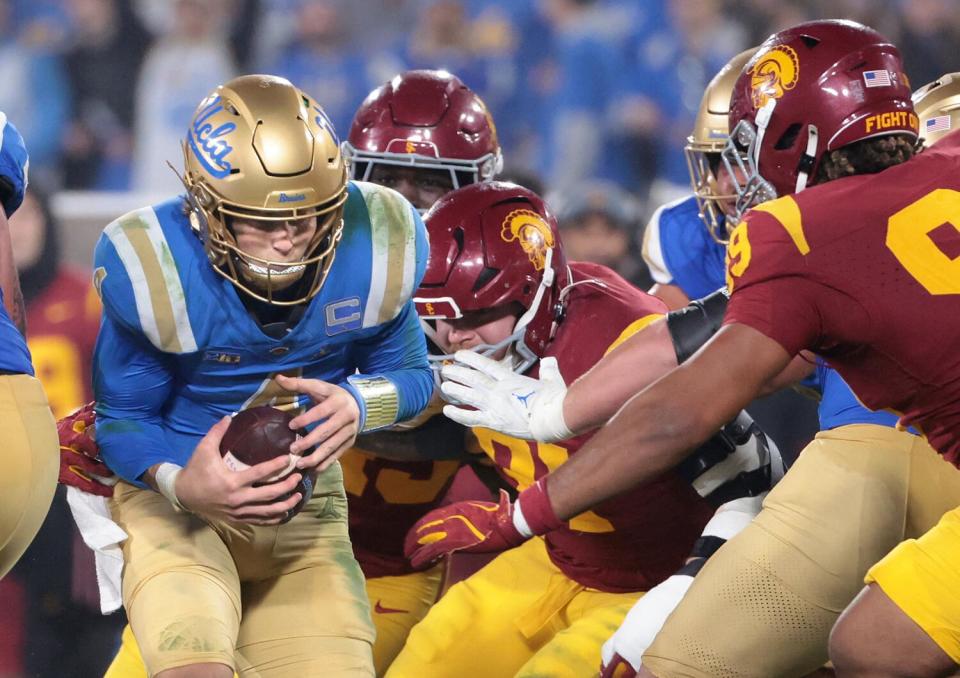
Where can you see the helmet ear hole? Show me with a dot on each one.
(789, 137)
(486, 275)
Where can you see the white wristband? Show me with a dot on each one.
(546, 420)
(166, 478)
(519, 522)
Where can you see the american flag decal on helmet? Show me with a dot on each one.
(879, 78)
(940, 123)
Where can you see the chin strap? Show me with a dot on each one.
(809, 157)
(762, 121)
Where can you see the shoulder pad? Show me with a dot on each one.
(139, 282)
(399, 251)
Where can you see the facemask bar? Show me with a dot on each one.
(225, 255)
(519, 356)
(739, 158)
(703, 180)
(482, 169)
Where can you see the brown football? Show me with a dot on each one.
(261, 434)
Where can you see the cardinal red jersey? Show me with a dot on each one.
(634, 541)
(62, 324)
(385, 498)
(865, 271)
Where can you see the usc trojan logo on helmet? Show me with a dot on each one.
(774, 73)
(533, 233)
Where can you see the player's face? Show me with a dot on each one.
(726, 187)
(422, 187)
(490, 326)
(284, 241)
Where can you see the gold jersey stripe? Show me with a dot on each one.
(161, 303)
(136, 232)
(787, 212)
(632, 329)
(393, 242)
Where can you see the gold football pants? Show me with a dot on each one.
(764, 604)
(285, 600)
(31, 464)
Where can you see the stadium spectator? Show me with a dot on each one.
(108, 46)
(179, 70)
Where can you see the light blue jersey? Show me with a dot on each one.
(680, 251)
(178, 350)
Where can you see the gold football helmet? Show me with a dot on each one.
(259, 148)
(938, 106)
(708, 139)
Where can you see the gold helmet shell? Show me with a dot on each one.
(259, 148)
(938, 106)
(708, 139)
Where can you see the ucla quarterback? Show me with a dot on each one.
(272, 281)
(30, 453)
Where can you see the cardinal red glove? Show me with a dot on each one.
(80, 466)
(480, 526)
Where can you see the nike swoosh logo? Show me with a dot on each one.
(380, 609)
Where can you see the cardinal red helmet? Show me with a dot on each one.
(808, 90)
(492, 244)
(429, 120)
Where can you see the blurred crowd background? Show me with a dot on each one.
(593, 100)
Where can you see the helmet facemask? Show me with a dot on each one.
(739, 158)
(260, 150)
(261, 278)
(703, 164)
(519, 357)
(462, 172)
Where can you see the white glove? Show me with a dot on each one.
(642, 623)
(647, 616)
(519, 406)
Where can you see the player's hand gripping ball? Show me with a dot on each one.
(261, 434)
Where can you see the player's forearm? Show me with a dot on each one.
(657, 428)
(597, 395)
(651, 434)
(9, 281)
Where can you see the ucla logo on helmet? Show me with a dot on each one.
(210, 144)
(532, 232)
(774, 73)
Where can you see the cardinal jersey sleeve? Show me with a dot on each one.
(771, 286)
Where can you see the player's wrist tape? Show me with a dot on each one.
(166, 478)
(547, 423)
(380, 401)
(532, 512)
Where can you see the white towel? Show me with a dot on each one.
(100, 533)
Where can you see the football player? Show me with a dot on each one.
(905, 622)
(808, 109)
(686, 259)
(272, 280)
(421, 130)
(31, 456)
(497, 282)
(424, 133)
